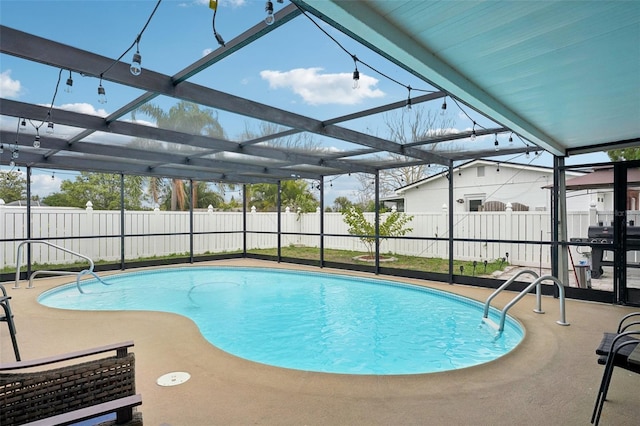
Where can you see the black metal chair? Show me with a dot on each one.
(619, 349)
(7, 317)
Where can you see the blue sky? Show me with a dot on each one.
(296, 67)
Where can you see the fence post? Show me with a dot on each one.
(156, 228)
(86, 231)
(444, 230)
(593, 213)
(508, 230)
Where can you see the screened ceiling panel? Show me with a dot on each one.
(560, 75)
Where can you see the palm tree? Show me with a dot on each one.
(183, 117)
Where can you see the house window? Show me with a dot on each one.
(480, 170)
(474, 205)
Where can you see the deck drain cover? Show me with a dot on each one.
(173, 379)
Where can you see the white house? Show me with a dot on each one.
(479, 182)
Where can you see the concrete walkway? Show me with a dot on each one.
(550, 378)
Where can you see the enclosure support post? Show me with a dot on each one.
(559, 255)
(244, 220)
(122, 221)
(377, 221)
(619, 234)
(279, 214)
(192, 190)
(450, 174)
(29, 222)
(321, 221)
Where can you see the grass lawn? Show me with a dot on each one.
(425, 264)
(415, 263)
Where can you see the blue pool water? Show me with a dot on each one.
(309, 321)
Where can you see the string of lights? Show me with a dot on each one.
(408, 103)
(136, 62)
(356, 60)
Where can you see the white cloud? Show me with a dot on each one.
(84, 108)
(9, 88)
(206, 51)
(316, 88)
(43, 185)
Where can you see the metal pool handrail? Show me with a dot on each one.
(561, 321)
(507, 283)
(78, 274)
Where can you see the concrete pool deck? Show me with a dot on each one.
(551, 378)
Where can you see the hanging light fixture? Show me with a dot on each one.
(443, 108)
(269, 19)
(408, 104)
(1, 148)
(49, 124)
(495, 143)
(36, 141)
(136, 61)
(213, 4)
(102, 95)
(23, 125)
(356, 73)
(511, 138)
(473, 132)
(69, 87)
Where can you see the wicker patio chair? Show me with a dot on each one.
(72, 392)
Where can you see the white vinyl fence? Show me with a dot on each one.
(225, 234)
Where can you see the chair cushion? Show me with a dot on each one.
(607, 340)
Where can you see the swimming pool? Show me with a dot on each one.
(308, 320)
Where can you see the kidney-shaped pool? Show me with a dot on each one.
(307, 320)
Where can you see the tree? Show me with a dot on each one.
(294, 194)
(102, 189)
(365, 195)
(405, 127)
(13, 186)
(393, 225)
(341, 204)
(624, 154)
(183, 117)
(203, 196)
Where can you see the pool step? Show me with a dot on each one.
(491, 323)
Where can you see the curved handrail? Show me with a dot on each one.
(507, 284)
(561, 321)
(79, 274)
